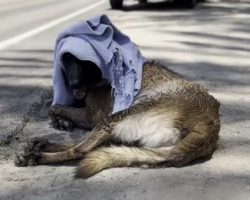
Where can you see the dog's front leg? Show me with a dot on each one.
(33, 156)
(66, 117)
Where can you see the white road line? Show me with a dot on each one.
(28, 34)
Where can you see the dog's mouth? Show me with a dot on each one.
(79, 93)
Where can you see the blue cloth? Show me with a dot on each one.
(99, 41)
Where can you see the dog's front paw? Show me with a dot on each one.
(23, 160)
(55, 110)
(61, 123)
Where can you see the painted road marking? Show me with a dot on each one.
(28, 34)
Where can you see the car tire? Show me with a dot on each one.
(116, 4)
(186, 3)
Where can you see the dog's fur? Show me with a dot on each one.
(172, 122)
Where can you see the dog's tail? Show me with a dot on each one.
(192, 147)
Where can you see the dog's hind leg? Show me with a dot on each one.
(194, 146)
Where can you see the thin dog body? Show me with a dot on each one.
(171, 123)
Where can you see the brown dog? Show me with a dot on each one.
(172, 122)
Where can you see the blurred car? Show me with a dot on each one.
(117, 4)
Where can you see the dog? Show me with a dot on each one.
(171, 123)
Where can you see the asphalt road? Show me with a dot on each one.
(28, 30)
(210, 44)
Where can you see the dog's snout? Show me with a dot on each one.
(74, 83)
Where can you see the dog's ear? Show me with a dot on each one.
(68, 59)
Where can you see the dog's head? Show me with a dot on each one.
(81, 75)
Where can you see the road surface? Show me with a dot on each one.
(210, 44)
